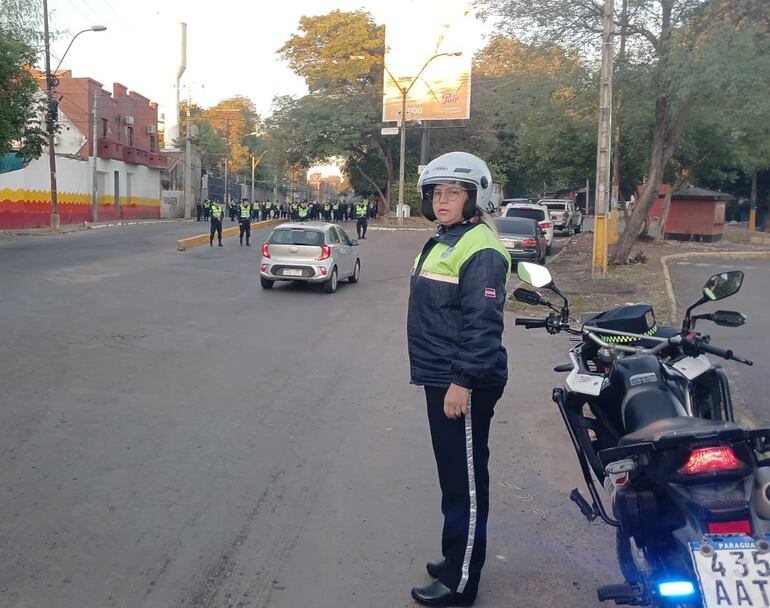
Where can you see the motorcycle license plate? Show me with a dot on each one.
(290, 272)
(732, 573)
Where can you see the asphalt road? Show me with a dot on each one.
(748, 384)
(172, 435)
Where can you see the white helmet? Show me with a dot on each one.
(464, 170)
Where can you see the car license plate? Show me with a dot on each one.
(732, 572)
(291, 272)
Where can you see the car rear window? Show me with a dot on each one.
(533, 214)
(515, 225)
(297, 236)
(556, 206)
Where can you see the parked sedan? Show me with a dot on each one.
(535, 212)
(522, 238)
(310, 252)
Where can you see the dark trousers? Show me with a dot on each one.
(461, 446)
(245, 227)
(216, 226)
(361, 226)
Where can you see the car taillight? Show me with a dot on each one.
(529, 243)
(263, 268)
(711, 460)
(741, 526)
(546, 225)
(265, 251)
(326, 251)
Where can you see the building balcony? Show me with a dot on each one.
(135, 156)
(110, 149)
(156, 160)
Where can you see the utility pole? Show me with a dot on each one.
(50, 122)
(425, 143)
(401, 157)
(603, 149)
(188, 189)
(94, 152)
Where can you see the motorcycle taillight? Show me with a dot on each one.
(711, 460)
(741, 526)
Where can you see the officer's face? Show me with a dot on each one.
(448, 201)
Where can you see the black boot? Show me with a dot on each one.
(438, 594)
(435, 568)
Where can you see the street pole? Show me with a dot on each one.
(50, 123)
(425, 143)
(253, 166)
(603, 150)
(94, 152)
(404, 93)
(188, 189)
(402, 154)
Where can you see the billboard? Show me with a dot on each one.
(430, 54)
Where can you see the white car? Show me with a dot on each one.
(535, 212)
(309, 252)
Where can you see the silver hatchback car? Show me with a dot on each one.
(311, 252)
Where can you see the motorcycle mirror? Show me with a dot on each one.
(728, 318)
(723, 285)
(527, 296)
(534, 274)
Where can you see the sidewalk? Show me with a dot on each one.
(70, 228)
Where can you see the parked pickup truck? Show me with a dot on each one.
(565, 215)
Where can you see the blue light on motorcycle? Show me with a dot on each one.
(676, 589)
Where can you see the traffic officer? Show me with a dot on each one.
(454, 331)
(361, 211)
(244, 221)
(232, 207)
(303, 212)
(336, 211)
(206, 209)
(198, 211)
(327, 211)
(217, 213)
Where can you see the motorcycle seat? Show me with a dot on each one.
(679, 425)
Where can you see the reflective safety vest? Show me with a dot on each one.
(327, 207)
(302, 211)
(207, 204)
(216, 211)
(336, 206)
(361, 209)
(245, 211)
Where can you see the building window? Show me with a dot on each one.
(152, 143)
(105, 127)
(130, 135)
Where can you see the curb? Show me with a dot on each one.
(203, 239)
(90, 226)
(726, 255)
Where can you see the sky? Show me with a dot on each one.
(231, 44)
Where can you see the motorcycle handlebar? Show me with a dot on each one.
(530, 323)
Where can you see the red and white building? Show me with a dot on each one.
(128, 160)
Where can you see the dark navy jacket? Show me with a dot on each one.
(456, 300)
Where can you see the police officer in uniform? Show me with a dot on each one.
(303, 212)
(361, 211)
(454, 329)
(244, 221)
(217, 213)
(206, 210)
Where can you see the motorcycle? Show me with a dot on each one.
(651, 420)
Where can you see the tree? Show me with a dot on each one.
(677, 38)
(232, 119)
(21, 106)
(340, 56)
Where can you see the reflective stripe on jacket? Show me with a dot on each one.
(456, 300)
(245, 211)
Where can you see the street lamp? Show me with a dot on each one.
(404, 92)
(52, 109)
